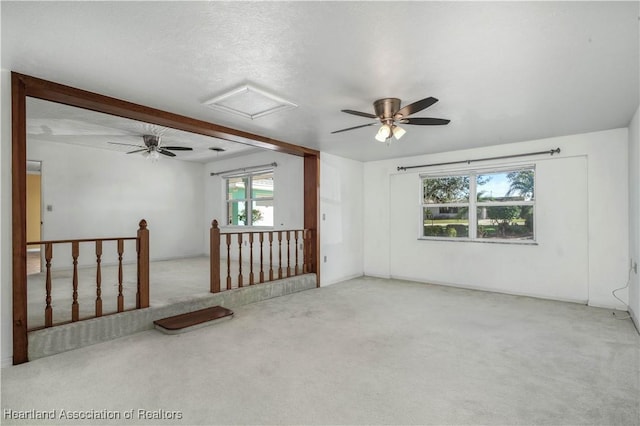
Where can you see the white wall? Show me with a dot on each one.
(6, 295)
(634, 215)
(102, 193)
(341, 219)
(581, 213)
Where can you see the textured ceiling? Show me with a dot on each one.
(51, 122)
(503, 71)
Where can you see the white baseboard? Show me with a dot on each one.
(7, 362)
(385, 277)
(634, 318)
(492, 290)
(618, 307)
(338, 280)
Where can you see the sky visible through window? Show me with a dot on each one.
(497, 186)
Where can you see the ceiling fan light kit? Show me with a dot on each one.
(398, 131)
(388, 112)
(384, 133)
(152, 155)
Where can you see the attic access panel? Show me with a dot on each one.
(249, 102)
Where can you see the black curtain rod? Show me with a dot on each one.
(551, 152)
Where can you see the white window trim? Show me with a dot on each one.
(248, 200)
(473, 204)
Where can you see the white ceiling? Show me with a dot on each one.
(503, 71)
(51, 122)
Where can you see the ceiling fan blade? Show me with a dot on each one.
(415, 107)
(425, 121)
(356, 127)
(127, 144)
(177, 148)
(361, 114)
(137, 150)
(165, 152)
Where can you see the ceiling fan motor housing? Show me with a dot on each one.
(151, 140)
(386, 108)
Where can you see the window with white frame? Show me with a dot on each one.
(495, 205)
(250, 199)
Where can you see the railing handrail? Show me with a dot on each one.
(269, 240)
(261, 231)
(80, 240)
(142, 261)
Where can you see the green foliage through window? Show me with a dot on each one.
(256, 215)
(446, 189)
(501, 204)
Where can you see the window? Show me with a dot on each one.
(481, 205)
(449, 210)
(250, 193)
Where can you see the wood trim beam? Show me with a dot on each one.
(50, 91)
(19, 218)
(312, 209)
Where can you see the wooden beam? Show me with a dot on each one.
(19, 221)
(311, 208)
(50, 91)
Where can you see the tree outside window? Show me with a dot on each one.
(496, 205)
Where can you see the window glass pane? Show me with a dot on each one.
(505, 186)
(236, 188)
(236, 213)
(505, 222)
(262, 213)
(449, 189)
(447, 225)
(262, 185)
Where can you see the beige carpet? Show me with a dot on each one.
(33, 262)
(367, 351)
